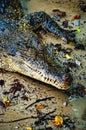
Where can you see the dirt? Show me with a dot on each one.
(34, 90)
(75, 107)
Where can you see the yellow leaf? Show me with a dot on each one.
(58, 120)
(6, 99)
(67, 56)
(40, 107)
(28, 128)
(24, 24)
(78, 30)
(57, 52)
(44, 42)
(52, 123)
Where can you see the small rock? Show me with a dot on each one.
(65, 103)
(78, 62)
(16, 127)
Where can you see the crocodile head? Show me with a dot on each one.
(38, 69)
(21, 51)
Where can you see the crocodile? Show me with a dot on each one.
(23, 52)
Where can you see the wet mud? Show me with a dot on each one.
(70, 105)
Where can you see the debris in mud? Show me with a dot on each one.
(7, 101)
(39, 100)
(24, 97)
(2, 70)
(65, 23)
(38, 107)
(68, 56)
(57, 121)
(78, 30)
(2, 82)
(22, 94)
(28, 128)
(11, 95)
(5, 92)
(16, 86)
(42, 113)
(76, 20)
(59, 12)
(76, 17)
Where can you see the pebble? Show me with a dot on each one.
(65, 103)
(16, 127)
(78, 62)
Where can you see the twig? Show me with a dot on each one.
(43, 117)
(39, 100)
(2, 114)
(21, 119)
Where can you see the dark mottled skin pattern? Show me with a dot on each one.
(19, 40)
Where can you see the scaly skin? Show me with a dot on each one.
(41, 18)
(23, 52)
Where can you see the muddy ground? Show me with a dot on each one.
(60, 103)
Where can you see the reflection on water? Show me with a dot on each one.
(79, 109)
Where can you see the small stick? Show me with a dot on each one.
(2, 114)
(47, 114)
(39, 100)
(21, 119)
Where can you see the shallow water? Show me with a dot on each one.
(79, 109)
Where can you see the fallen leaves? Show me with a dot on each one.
(6, 101)
(28, 128)
(67, 56)
(41, 106)
(57, 121)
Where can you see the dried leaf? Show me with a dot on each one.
(40, 106)
(28, 128)
(67, 56)
(57, 52)
(52, 123)
(58, 120)
(6, 99)
(78, 30)
(7, 104)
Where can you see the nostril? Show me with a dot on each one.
(67, 78)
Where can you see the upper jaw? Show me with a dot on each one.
(18, 64)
